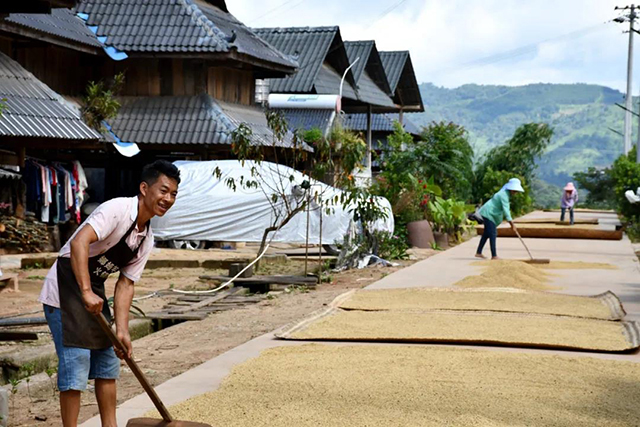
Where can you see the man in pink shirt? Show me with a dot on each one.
(116, 237)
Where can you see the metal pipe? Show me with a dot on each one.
(24, 321)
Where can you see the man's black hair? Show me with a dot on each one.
(152, 171)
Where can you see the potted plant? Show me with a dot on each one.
(449, 219)
(420, 233)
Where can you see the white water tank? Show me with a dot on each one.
(316, 102)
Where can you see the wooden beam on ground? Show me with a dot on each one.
(258, 280)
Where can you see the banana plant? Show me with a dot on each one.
(449, 216)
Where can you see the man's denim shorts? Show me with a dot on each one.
(78, 365)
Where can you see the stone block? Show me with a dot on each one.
(4, 407)
(236, 267)
(9, 281)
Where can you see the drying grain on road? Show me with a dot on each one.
(508, 274)
(225, 209)
(345, 385)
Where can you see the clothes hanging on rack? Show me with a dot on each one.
(53, 192)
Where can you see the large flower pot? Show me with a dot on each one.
(420, 234)
(442, 239)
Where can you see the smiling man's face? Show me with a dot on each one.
(159, 197)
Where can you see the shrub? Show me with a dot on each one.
(493, 181)
(625, 173)
(391, 246)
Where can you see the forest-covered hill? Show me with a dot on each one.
(580, 115)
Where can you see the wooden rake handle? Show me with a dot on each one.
(135, 369)
(522, 241)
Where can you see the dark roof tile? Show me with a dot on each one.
(393, 63)
(402, 78)
(305, 119)
(34, 110)
(188, 120)
(175, 26)
(362, 50)
(308, 45)
(61, 23)
(381, 123)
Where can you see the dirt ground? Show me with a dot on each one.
(172, 351)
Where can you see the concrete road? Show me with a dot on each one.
(444, 270)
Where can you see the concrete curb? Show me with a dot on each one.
(152, 264)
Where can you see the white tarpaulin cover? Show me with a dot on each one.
(207, 209)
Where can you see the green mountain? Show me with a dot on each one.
(580, 115)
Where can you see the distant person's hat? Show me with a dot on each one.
(569, 187)
(514, 184)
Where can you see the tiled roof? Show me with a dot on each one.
(328, 83)
(371, 79)
(188, 120)
(247, 42)
(393, 63)
(402, 78)
(61, 23)
(6, 174)
(362, 50)
(308, 45)
(34, 110)
(381, 123)
(312, 46)
(306, 118)
(370, 92)
(170, 26)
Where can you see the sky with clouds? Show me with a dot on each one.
(455, 42)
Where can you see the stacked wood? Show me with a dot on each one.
(22, 235)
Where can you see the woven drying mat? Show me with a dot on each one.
(605, 306)
(555, 221)
(547, 231)
(462, 327)
(554, 265)
(318, 385)
(593, 211)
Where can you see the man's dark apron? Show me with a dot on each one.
(79, 327)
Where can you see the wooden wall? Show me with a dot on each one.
(63, 70)
(231, 85)
(68, 72)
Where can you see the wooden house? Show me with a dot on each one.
(190, 70)
(325, 61)
(405, 92)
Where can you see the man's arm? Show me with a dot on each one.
(122, 304)
(80, 266)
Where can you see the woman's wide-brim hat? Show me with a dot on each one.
(514, 184)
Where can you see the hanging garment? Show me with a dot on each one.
(83, 184)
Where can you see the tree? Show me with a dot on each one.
(445, 154)
(494, 180)
(519, 154)
(599, 183)
(625, 174)
(100, 103)
(338, 155)
(516, 158)
(402, 180)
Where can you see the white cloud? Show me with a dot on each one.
(448, 38)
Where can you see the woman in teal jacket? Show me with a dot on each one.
(496, 210)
